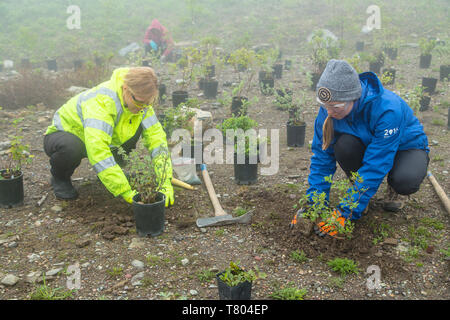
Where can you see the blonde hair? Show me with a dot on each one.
(143, 82)
(327, 132)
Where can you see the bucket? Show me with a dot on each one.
(425, 61)
(429, 85)
(51, 65)
(11, 191)
(278, 70)
(149, 218)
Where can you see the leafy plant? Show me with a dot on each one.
(178, 118)
(283, 98)
(44, 292)
(147, 176)
(289, 293)
(344, 266)
(322, 49)
(299, 257)
(426, 46)
(234, 274)
(319, 208)
(188, 63)
(413, 97)
(243, 59)
(296, 109)
(18, 154)
(235, 123)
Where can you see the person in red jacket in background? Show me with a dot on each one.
(158, 40)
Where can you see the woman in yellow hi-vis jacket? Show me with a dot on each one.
(96, 122)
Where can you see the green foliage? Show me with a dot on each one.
(386, 78)
(319, 208)
(242, 122)
(18, 154)
(413, 97)
(189, 64)
(426, 46)
(239, 211)
(288, 293)
(322, 50)
(296, 109)
(267, 58)
(205, 275)
(355, 62)
(147, 175)
(44, 292)
(234, 274)
(343, 265)
(299, 257)
(243, 59)
(178, 118)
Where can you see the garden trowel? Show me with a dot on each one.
(220, 218)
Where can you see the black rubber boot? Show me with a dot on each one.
(63, 189)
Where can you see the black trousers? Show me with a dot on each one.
(66, 151)
(409, 169)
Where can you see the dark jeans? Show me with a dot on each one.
(409, 169)
(66, 151)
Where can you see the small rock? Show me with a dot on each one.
(32, 277)
(56, 209)
(10, 280)
(58, 220)
(33, 257)
(136, 243)
(12, 244)
(83, 243)
(138, 264)
(185, 261)
(136, 280)
(390, 241)
(53, 272)
(193, 292)
(203, 230)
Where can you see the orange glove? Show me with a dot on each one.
(324, 228)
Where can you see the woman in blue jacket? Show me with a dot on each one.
(369, 130)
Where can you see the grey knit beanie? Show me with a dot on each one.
(338, 82)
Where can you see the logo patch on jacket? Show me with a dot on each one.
(390, 132)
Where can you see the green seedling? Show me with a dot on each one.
(44, 292)
(205, 276)
(299, 257)
(288, 293)
(343, 266)
(234, 274)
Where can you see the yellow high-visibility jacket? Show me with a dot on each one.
(100, 119)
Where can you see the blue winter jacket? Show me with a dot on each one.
(385, 124)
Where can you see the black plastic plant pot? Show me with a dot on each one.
(77, 64)
(210, 89)
(242, 291)
(278, 71)
(375, 67)
(178, 97)
(51, 65)
(162, 91)
(25, 63)
(267, 86)
(424, 103)
(98, 61)
(211, 71)
(245, 173)
(296, 135)
(429, 85)
(391, 73)
(263, 75)
(425, 61)
(287, 64)
(391, 53)
(201, 84)
(359, 45)
(150, 217)
(444, 72)
(11, 191)
(146, 62)
(448, 118)
(236, 105)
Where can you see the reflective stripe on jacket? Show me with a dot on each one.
(98, 117)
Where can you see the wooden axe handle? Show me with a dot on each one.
(218, 211)
(440, 192)
(182, 184)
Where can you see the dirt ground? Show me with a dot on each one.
(98, 231)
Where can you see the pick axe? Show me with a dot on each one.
(220, 218)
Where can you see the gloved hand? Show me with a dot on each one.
(168, 192)
(128, 195)
(153, 45)
(328, 227)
